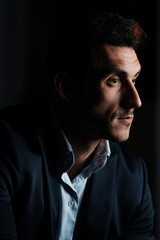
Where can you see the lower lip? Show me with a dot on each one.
(125, 120)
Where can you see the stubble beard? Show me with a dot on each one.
(111, 129)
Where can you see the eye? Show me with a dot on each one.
(134, 81)
(113, 81)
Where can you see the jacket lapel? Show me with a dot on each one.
(52, 195)
(52, 199)
(94, 217)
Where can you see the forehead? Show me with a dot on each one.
(110, 57)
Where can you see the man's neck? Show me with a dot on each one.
(82, 150)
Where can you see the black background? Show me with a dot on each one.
(25, 27)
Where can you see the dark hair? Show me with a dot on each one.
(75, 38)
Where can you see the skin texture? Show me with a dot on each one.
(105, 107)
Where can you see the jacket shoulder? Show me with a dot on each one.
(16, 115)
(127, 158)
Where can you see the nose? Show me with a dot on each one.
(131, 98)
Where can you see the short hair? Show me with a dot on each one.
(76, 36)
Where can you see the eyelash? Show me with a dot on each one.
(134, 81)
(115, 81)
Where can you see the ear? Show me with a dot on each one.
(63, 85)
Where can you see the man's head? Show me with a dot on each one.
(95, 70)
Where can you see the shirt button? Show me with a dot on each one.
(71, 203)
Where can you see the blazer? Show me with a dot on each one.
(117, 203)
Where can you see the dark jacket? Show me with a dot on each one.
(117, 201)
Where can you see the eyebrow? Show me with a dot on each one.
(106, 72)
(136, 75)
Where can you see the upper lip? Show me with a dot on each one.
(125, 116)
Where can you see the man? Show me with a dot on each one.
(62, 174)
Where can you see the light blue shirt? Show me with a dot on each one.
(72, 192)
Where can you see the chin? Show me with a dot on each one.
(122, 137)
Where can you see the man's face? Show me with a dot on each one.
(107, 106)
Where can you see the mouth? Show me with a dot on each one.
(126, 119)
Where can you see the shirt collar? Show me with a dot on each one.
(67, 157)
(98, 160)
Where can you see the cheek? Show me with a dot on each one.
(106, 102)
(100, 100)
